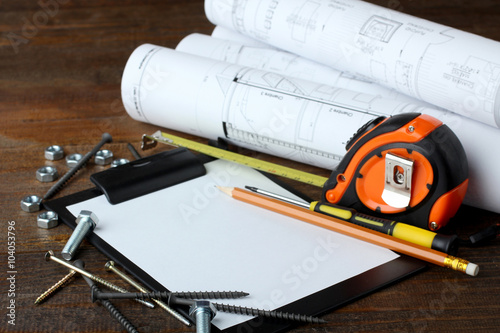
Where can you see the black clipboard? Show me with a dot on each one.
(184, 166)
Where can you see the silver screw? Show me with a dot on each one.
(203, 312)
(110, 266)
(434, 225)
(50, 256)
(85, 223)
(411, 129)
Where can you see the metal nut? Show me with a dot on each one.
(31, 203)
(47, 174)
(54, 153)
(47, 220)
(119, 162)
(103, 157)
(72, 159)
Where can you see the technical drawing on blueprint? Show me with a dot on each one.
(446, 67)
(261, 110)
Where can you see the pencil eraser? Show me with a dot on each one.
(472, 269)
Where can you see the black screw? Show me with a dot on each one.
(220, 307)
(106, 137)
(113, 311)
(268, 314)
(134, 151)
(180, 297)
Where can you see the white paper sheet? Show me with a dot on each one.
(446, 67)
(192, 237)
(281, 115)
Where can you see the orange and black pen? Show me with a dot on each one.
(355, 231)
(432, 240)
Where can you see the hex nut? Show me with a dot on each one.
(72, 159)
(31, 203)
(103, 157)
(119, 162)
(46, 174)
(47, 220)
(54, 153)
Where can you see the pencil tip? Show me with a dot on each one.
(226, 190)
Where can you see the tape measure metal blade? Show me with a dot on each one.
(254, 163)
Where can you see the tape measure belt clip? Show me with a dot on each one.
(413, 152)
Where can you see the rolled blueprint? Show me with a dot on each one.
(285, 63)
(279, 115)
(452, 69)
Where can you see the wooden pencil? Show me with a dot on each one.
(349, 229)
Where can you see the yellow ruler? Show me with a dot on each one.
(264, 166)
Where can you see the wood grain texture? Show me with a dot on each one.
(60, 84)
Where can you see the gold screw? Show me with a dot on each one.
(50, 256)
(55, 287)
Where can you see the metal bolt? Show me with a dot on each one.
(202, 312)
(31, 203)
(46, 174)
(54, 153)
(411, 129)
(119, 162)
(110, 266)
(47, 220)
(50, 256)
(434, 226)
(55, 287)
(85, 223)
(113, 311)
(73, 159)
(106, 137)
(103, 157)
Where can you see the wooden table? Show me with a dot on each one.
(60, 70)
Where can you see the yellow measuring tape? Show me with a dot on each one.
(264, 166)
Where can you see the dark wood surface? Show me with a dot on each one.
(60, 84)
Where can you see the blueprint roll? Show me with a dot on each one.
(281, 115)
(449, 68)
(265, 111)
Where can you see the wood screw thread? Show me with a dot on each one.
(286, 316)
(113, 311)
(50, 256)
(55, 287)
(209, 294)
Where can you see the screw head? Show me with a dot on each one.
(54, 153)
(205, 306)
(110, 264)
(87, 216)
(48, 254)
(47, 220)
